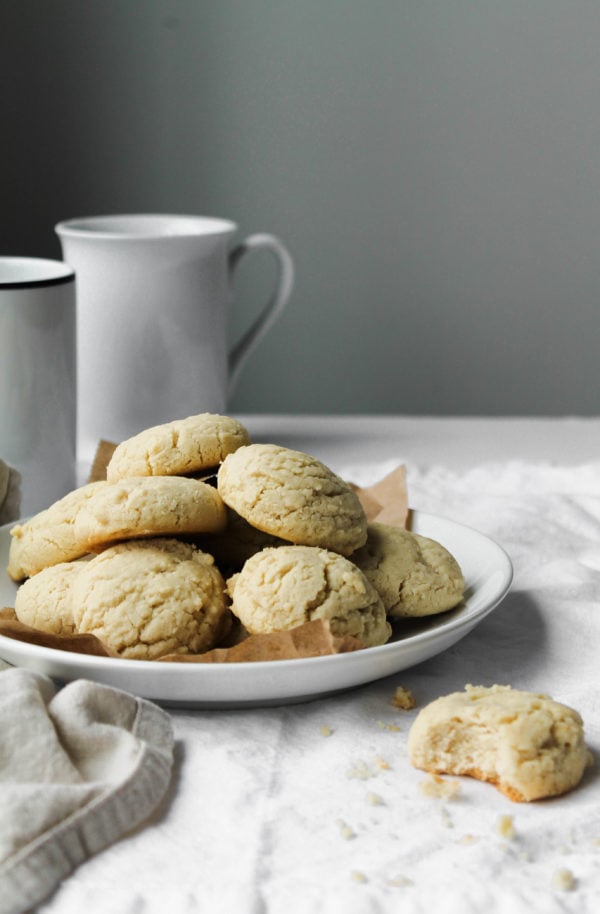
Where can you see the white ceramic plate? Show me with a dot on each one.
(488, 575)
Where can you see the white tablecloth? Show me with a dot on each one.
(314, 807)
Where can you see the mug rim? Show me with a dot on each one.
(33, 272)
(144, 226)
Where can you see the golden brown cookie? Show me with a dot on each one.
(526, 744)
(283, 587)
(179, 448)
(101, 513)
(148, 506)
(293, 496)
(44, 601)
(147, 598)
(414, 575)
(49, 537)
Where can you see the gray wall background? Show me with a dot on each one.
(434, 168)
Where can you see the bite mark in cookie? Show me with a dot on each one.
(526, 744)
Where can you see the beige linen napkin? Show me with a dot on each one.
(79, 768)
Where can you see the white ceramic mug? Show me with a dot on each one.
(153, 302)
(38, 377)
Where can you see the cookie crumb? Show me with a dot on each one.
(394, 728)
(403, 699)
(399, 881)
(505, 826)
(468, 839)
(360, 771)
(346, 832)
(441, 788)
(563, 880)
(375, 799)
(326, 731)
(358, 876)
(381, 763)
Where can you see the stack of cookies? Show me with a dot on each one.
(196, 531)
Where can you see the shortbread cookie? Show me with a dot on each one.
(414, 575)
(149, 506)
(49, 537)
(292, 496)
(280, 588)
(526, 744)
(44, 601)
(147, 598)
(178, 448)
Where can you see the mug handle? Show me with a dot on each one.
(274, 306)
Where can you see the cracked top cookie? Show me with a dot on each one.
(101, 513)
(144, 599)
(179, 448)
(49, 537)
(526, 744)
(44, 601)
(293, 496)
(149, 506)
(414, 575)
(285, 586)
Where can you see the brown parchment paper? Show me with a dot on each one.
(313, 639)
(79, 644)
(104, 452)
(386, 501)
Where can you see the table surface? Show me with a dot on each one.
(315, 807)
(456, 442)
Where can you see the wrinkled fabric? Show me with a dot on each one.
(79, 768)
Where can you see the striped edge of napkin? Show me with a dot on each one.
(86, 765)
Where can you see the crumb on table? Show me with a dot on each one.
(505, 826)
(399, 881)
(358, 876)
(346, 831)
(563, 880)
(361, 771)
(403, 699)
(383, 725)
(442, 788)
